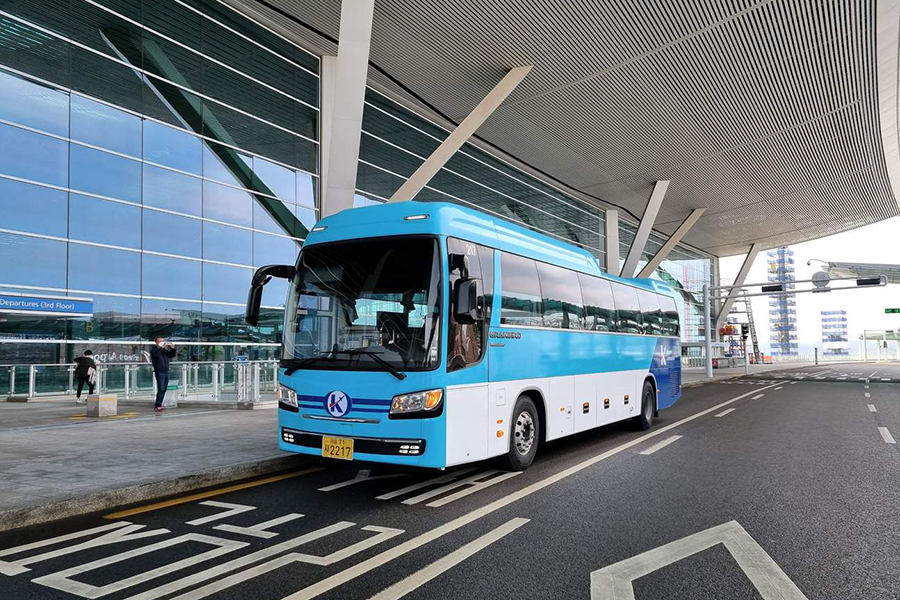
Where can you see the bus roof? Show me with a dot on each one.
(444, 218)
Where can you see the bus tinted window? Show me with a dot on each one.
(563, 308)
(465, 345)
(669, 316)
(650, 312)
(600, 310)
(628, 308)
(520, 303)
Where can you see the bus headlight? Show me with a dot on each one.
(417, 402)
(287, 396)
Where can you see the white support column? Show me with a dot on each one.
(463, 132)
(347, 93)
(612, 242)
(326, 92)
(644, 229)
(738, 281)
(672, 242)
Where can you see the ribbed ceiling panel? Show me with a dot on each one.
(764, 112)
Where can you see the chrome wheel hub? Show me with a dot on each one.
(523, 434)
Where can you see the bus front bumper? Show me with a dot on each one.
(373, 448)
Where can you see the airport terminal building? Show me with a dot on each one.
(153, 153)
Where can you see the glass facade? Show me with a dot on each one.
(152, 154)
(783, 308)
(835, 336)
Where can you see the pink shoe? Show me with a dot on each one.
(158, 408)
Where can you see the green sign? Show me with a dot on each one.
(892, 311)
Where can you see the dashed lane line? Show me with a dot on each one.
(660, 445)
(725, 412)
(361, 568)
(872, 408)
(868, 395)
(757, 397)
(886, 435)
(423, 576)
(779, 387)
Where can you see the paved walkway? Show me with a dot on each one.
(48, 454)
(697, 375)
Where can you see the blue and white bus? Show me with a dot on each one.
(433, 335)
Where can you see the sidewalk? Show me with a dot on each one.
(55, 463)
(697, 375)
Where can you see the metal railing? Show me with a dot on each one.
(241, 382)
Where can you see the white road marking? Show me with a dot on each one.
(757, 397)
(232, 509)
(873, 374)
(885, 378)
(423, 484)
(868, 395)
(867, 386)
(794, 383)
(886, 435)
(472, 489)
(778, 388)
(474, 480)
(260, 530)
(419, 578)
(872, 408)
(350, 573)
(363, 475)
(725, 412)
(615, 581)
(660, 445)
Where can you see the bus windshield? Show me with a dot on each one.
(365, 305)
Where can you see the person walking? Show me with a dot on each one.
(85, 372)
(160, 355)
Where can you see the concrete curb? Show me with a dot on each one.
(143, 492)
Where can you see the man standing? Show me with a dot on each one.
(160, 355)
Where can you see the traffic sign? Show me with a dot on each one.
(892, 311)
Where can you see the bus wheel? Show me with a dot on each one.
(525, 431)
(645, 419)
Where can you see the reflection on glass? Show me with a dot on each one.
(227, 244)
(172, 147)
(107, 127)
(32, 261)
(36, 156)
(223, 203)
(176, 321)
(172, 234)
(172, 191)
(99, 172)
(274, 179)
(115, 318)
(306, 189)
(274, 250)
(104, 269)
(170, 277)
(32, 208)
(104, 221)
(264, 221)
(307, 218)
(214, 168)
(222, 283)
(224, 323)
(34, 105)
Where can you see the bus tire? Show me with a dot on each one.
(524, 434)
(648, 407)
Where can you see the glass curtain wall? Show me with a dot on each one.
(152, 154)
(685, 269)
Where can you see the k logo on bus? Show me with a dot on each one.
(337, 403)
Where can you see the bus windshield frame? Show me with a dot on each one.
(368, 304)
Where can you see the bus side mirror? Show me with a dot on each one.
(262, 276)
(465, 302)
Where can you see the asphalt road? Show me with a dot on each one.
(779, 487)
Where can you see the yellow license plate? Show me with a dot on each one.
(333, 447)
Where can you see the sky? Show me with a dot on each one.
(878, 243)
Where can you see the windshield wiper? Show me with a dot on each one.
(374, 356)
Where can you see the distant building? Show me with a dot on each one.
(835, 341)
(782, 308)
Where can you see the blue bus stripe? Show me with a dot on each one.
(365, 401)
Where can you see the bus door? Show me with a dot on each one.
(468, 396)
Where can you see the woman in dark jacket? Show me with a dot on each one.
(83, 373)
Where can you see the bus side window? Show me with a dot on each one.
(465, 342)
(650, 311)
(520, 299)
(599, 307)
(561, 295)
(628, 308)
(669, 315)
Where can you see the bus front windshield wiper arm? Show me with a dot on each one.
(374, 356)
